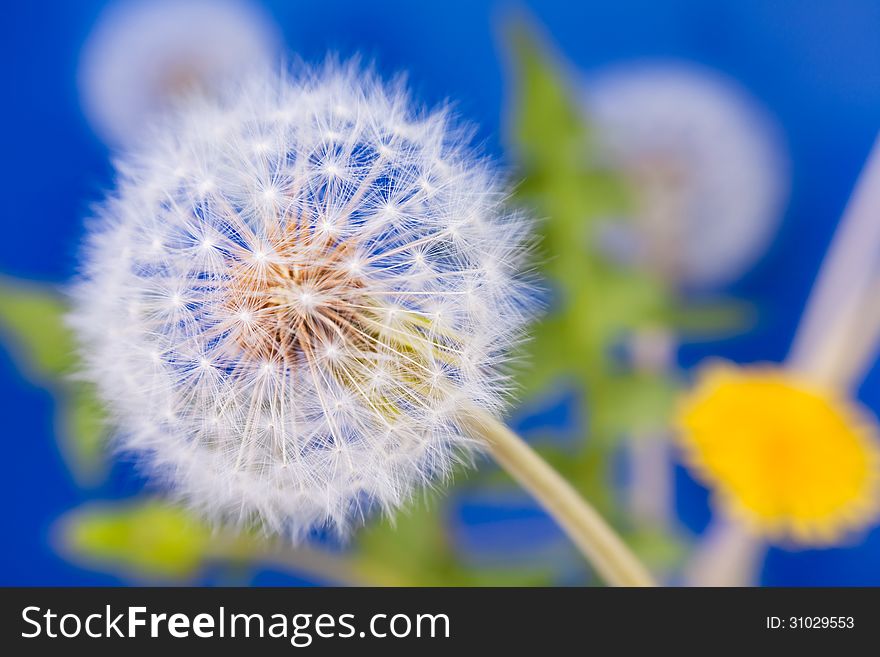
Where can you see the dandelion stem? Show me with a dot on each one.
(598, 542)
(835, 311)
(863, 339)
(650, 494)
(729, 555)
(650, 486)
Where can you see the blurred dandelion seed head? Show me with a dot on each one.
(145, 55)
(706, 165)
(293, 292)
(794, 461)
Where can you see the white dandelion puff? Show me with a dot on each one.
(293, 292)
(142, 55)
(706, 162)
(299, 302)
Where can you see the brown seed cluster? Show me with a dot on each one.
(301, 300)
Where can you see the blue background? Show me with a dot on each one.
(814, 64)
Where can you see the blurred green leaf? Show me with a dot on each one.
(415, 549)
(84, 431)
(157, 540)
(595, 300)
(414, 542)
(150, 539)
(32, 319)
(710, 320)
(634, 402)
(659, 549)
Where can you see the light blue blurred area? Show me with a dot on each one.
(815, 65)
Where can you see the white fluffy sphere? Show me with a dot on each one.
(143, 55)
(292, 294)
(706, 162)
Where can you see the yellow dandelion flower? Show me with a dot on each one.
(793, 460)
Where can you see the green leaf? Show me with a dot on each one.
(415, 549)
(410, 550)
(711, 320)
(33, 318)
(596, 300)
(634, 403)
(148, 539)
(32, 321)
(84, 431)
(659, 549)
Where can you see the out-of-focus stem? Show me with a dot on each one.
(602, 547)
(650, 488)
(729, 555)
(842, 292)
(851, 342)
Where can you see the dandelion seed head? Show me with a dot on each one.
(706, 165)
(295, 363)
(143, 55)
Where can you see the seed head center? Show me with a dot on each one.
(299, 303)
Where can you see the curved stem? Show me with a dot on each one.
(602, 547)
(650, 487)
